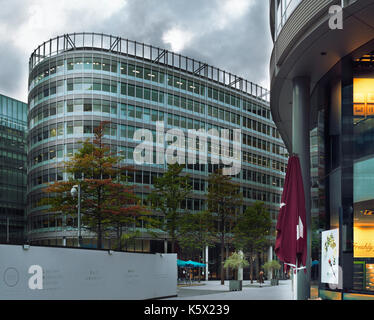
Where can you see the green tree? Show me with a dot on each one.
(236, 261)
(169, 191)
(251, 233)
(196, 232)
(224, 201)
(273, 267)
(126, 220)
(106, 199)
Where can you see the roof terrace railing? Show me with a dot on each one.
(117, 45)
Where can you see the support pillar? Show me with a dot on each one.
(165, 246)
(301, 147)
(270, 258)
(206, 263)
(240, 271)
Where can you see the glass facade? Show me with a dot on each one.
(71, 91)
(346, 168)
(363, 173)
(13, 125)
(284, 9)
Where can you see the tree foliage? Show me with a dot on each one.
(224, 202)
(196, 232)
(107, 202)
(272, 266)
(236, 261)
(251, 233)
(169, 191)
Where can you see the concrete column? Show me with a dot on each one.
(270, 258)
(206, 263)
(301, 147)
(7, 229)
(165, 246)
(240, 271)
(227, 269)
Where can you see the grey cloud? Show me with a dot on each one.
(242, 47)
(13, 66)
(12, 13)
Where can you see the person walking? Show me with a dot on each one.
(261, 278)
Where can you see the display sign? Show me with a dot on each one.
(363, 97)
(330, 257)
(363, 241)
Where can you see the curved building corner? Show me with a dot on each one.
(322, 101)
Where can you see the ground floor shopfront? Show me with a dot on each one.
(342, 175)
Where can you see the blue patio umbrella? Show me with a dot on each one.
(181, 263)
(195, 264)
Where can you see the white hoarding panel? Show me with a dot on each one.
(74, 274)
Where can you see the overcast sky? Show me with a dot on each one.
(232, 35)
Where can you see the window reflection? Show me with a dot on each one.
(284, 10)
(363, 123)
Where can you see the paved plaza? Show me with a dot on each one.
(213, 290)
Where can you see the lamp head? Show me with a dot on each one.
(74, 191)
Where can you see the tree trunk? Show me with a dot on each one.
(251, 265)
(172, 234)
(251, 271)
(99, 237)
(222, 259)
(99, 230)
(118, 246)
(120, 237)
(172, 245)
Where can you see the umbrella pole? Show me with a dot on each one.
(295, 282)
(295, 297)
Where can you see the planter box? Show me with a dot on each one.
(274, 282)
(236, 285)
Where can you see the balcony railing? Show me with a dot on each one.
(117, 45)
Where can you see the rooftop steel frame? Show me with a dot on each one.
(118, 45)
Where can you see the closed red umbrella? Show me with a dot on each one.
(291, 242)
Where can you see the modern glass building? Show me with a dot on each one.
(13, 173)
(77, 80)
(322, 91)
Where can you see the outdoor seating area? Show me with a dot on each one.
(189, 272)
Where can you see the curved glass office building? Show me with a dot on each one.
(78, 80)
(322, 101)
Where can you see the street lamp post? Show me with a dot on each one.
(74, 191)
